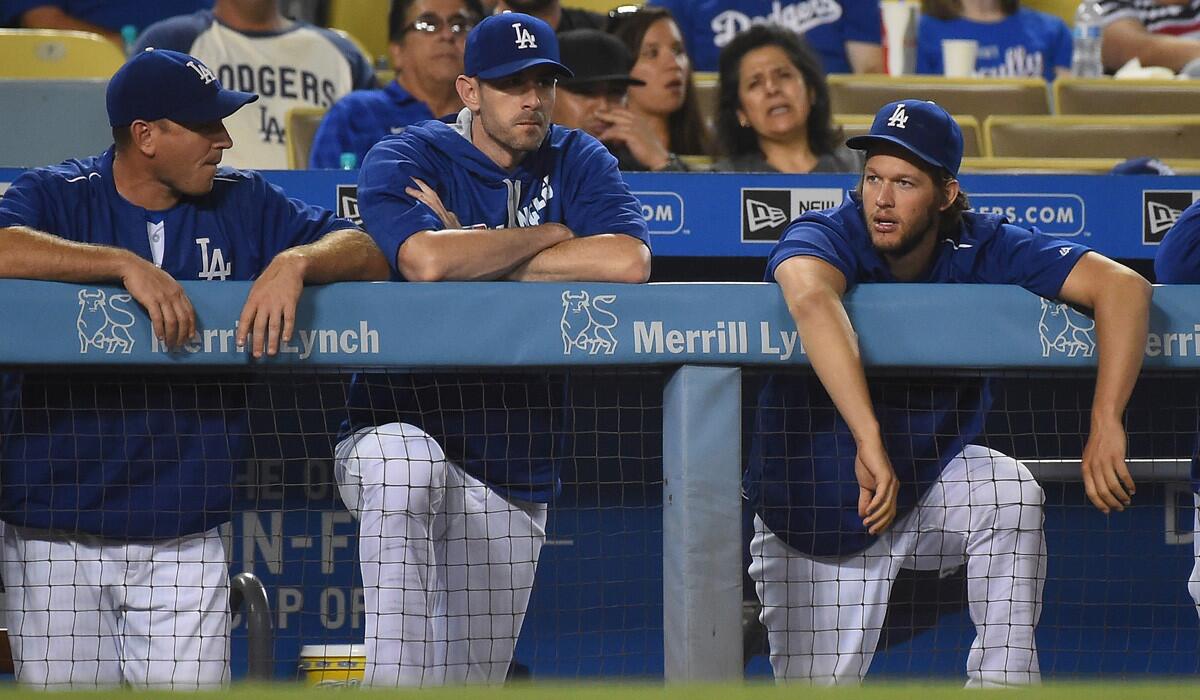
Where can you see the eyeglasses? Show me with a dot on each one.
(432, 24)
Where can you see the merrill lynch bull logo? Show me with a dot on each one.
(587, 323)
(1065, 330)
(104, 322)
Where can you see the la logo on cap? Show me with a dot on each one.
(525, 38)
(899, 118)
(203, 71)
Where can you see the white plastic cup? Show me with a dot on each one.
(900, 26)
(958, 57)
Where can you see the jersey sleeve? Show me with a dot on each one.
(814, 237)
(24, 203)
(334, 136)
(286, 222)
(389, 214)
(1029, 258)
(1178, 258)
(600, 201)
(360, 66)
(175, 33)
(862, 21)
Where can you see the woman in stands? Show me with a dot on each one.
(773, 113)
(667, 102)
(1014, 42)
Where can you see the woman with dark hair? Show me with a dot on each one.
(773, 112)
(667, 101)
(1014, 42)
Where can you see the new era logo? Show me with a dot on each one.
(1160, 211)
(760, 215)
(347, 203)
(766, 212)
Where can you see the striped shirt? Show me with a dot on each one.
(1175, 20)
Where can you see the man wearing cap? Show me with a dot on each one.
(593, 99)
(449, 474)
(115, 487)
(826, 484)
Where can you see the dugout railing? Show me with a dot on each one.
(702, 344)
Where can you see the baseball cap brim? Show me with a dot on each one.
(226, 103)
(507, 69)
(865, 142)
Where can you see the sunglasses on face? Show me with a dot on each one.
(432, 24)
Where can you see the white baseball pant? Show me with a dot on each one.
(447, 563)
(1194, 580)
(86, 612)
(823, 616)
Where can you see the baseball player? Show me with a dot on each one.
(1178, 262)
(449, 475)
(826, 484)
(115, 486)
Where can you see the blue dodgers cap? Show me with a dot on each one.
(509, 43)
(922, 128)
(162, 84)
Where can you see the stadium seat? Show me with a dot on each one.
(601, 6)
(1107, 96)
(1098, 137)
(977, 97)
(47, 121)
(707, 89)
(1064, 9)
(41, 54)
(366, 21)
(302, 123)
(1098, 166)
(859, 124)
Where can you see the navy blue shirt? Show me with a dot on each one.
(362, 119)
(124, 455)
(801, 473)
(503, 429)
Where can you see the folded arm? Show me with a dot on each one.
(813, 291)
(606, 257)
(1120, 301)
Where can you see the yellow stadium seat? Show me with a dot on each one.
(45, 54)
(977, 97)
(301, 128)
(1181, 166)
(366, 21)
(601, 6)
(859, 124)
(1060, 8)
(1094, 137)
(1108, 96)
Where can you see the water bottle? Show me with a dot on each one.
(1085, 56)
(129, 35)
(348, 161)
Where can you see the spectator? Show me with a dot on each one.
(252, 47)
(1156, 32)
(426, 48)
(104, 18)
(667, 101)
(846, 33)
(1014, 42)
(594, 100)
(563, 19)
(774, 113)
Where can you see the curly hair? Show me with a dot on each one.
(737, 140)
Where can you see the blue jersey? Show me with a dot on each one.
(708, 25)
(801, 473)
(123, 455)
(501, 428)
(1026, 44)
(1178, 262)
(110, 14)
(361, 120)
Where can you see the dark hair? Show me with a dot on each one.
(737, 140)
(953, 9)
(398, 15)
(685, 126)
(122, 137)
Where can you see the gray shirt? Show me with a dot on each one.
(840, 160)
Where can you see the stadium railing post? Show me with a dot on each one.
(702, 551)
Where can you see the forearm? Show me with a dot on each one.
(1126, 39)
(474, 254)
(347, 255)
(831, 344)
(864, 57)
(30, 254)
(49, 17)
(608, 257)
(1122, 313)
